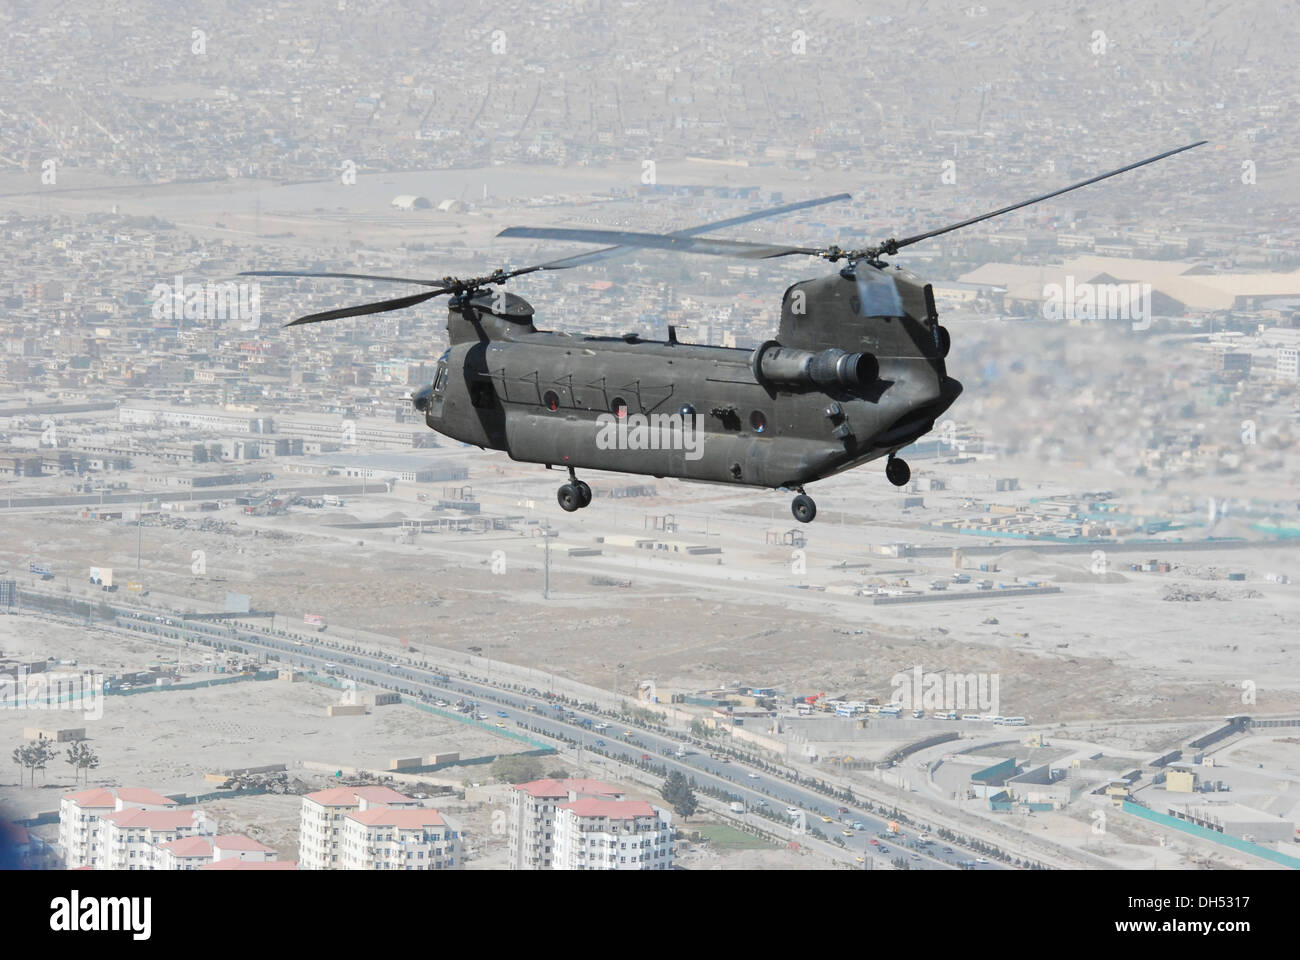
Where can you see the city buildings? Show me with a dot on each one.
(320, 836)
(582, 824)
(128, 838)
(80, 816)
(592, 833)
(383, 838)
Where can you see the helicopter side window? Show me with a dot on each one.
(440, 381)
(551, 400)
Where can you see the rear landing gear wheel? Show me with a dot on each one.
(569, 497)
(804, 508)
(584, 494)
(897, 471)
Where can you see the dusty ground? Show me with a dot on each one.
(1107, 648)
(169, 739)
(1110, 656)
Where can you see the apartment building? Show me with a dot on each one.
(320, 830)
(198, 851)
(592, 833)
(128, 839)
(531, 844)
(80, 814)
(1288, 363)
(195, 418)
(187, 853)
(382, 838)
(250, 865)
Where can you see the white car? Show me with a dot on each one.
(981, 860)
(752, 776)
(792, 811)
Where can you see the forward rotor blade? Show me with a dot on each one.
(580, 259)
(382, 306)
(660, 241)
(762, 214)
(344, 276)
(893, 246)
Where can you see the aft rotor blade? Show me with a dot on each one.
(382, 306)
(894, 245)
(343, 276)
(660, 241)
(579, 259)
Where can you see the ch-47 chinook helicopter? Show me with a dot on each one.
(856, 372)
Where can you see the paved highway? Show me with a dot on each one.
(760, 791)
(768, 797)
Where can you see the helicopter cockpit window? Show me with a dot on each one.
(481, 394)
(878, 296)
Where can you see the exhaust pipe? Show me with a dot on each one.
(832, 368)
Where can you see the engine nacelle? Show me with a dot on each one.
(828, 369)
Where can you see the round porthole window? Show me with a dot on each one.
(686, 411)
(758, 421)
(551, 400)
(619, 406)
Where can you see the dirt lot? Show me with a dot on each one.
(1105, 647)
(168, 739)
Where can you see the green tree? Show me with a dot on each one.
(20, 756)
(81, 758)
(516, 769)
(700, 730)
(678, 793)
(45, 752)
(33, 756)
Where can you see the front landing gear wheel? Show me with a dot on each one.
(584, 494)
(804, 508)
(569, 497)
(897, 471)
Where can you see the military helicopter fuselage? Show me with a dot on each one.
(856, 372)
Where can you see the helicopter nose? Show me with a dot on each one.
(949, 391)
(941, 395)
(920, 414)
